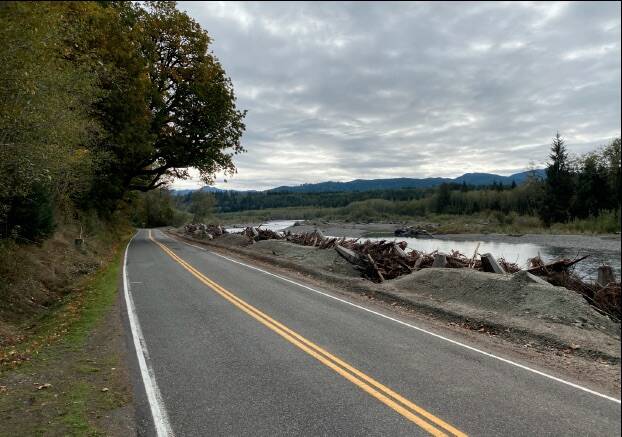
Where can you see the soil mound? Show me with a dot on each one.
(506, 295)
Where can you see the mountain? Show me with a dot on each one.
(207, 189)
(387, 184)
(395, 183)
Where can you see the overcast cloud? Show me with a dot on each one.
(340, 91)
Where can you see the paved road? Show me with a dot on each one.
(234, 351)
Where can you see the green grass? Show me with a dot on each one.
(99, 296)
(76, 419)
(60, 354)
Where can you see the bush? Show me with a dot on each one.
(32, 217)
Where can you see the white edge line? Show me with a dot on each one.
(457, 343)
(154, 397)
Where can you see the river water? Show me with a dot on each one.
(518, 253)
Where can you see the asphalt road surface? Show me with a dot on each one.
(226, 349)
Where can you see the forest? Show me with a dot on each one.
(581, 188)
(101, 102)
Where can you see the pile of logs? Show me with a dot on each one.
(315, 238)
(382, 260)
(202, 230)
(604, 294)
(413, 232)
(258, 234)
(609, 299)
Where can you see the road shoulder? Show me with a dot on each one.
(76, 379)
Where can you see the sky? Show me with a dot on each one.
(366, 90)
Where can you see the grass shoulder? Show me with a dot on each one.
(68, 376)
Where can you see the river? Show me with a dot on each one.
(518, 253)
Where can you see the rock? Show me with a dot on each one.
(439, 261)
(490, 264)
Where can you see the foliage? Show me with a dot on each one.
(32, 217)
(99, 99)
(201, 206)
(156, 208)
(559, 185)
(45, 105)
(593, 205)
(170, 106)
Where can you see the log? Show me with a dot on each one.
(418, 263)
(555, 266)
(605, 276)
(348, 255)
(472, 262)
(440, 261)
(490, 264)
(373, 264)
(398, 250)
(524, 276)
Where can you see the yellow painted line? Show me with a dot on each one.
(388, 396)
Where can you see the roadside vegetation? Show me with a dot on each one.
(66, 377)
(101, 105)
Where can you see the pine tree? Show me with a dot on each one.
(559, 185)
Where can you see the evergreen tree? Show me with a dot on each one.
(559, 185)
(443, 198)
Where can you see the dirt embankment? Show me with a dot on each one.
(35, 278)
(512, 306)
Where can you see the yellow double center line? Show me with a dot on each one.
(403, 406)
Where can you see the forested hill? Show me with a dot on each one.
(387, 184)
(471, 179)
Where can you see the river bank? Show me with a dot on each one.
(602, 249)
(359, 230)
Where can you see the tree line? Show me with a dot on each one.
(100, 101)
(573, 188)
(233, 201)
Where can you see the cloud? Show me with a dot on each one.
(339, 91)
